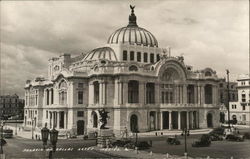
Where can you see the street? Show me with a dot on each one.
(27, 148)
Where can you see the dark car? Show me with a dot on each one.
(215, 137)
(235, 137)
(173, 141)
(7, 133)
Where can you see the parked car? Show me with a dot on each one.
(203, 142)
(215, 137)
(7, 133)
(235, 137)
(173, 141)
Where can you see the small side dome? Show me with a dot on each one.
(101, 53)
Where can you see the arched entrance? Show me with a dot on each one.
(209, 120)
(133, 123)
(152, 120)
(80, 127)
(94, 119)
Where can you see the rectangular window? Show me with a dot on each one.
(243, 97)
(152, 59)
(80, 97)
(132, 56)
(125, 55)
(243, 107)
(158, 57)
(145, 57)
(80, 85)
(80, 113)
(243, 117)
(139, 56)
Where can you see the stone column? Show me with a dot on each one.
(187, 119)
(177, 94)
(179, 120)
(202, 95)
(195, 94)
(91, 93)
(117, 93)
(142, 91)
(191, 120)
(181, 94)
(215, 95)
(50, 118)
(161, 120)
(185, 94)
(170, 120)
(104, 84)
(58, 119)
(65, 122)
(157, 95)
(100, 93)
(125, 92)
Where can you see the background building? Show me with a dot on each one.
(223, 92)
(240, 110)
(139, 84)
(11, 107)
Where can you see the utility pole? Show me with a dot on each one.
(228, 96)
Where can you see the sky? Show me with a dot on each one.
(211, 34)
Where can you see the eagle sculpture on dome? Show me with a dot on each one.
(132, 8)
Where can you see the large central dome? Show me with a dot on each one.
(133, 34)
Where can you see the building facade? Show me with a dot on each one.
(139, 84)
(240, 110)
(11, 107)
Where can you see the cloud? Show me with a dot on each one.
(210, 34)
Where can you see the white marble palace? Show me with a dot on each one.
(137, 82)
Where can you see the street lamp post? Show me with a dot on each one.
(53, 138)
(45, 135)
(228, 96)
(185, 133)
(1, 148)
(32, 130)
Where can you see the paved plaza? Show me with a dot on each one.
(25, 147)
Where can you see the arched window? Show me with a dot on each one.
(190, 93)
(152, 58)
(133, 91)
(96, 92)
(150, 93)
(208, 73)
(63, 93)
(125, 55)
(47, 95)
(133, 68)
(208, 94)
(52, 96)
(133, 123)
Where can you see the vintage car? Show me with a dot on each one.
(173, 141)
(7, 133)
(234, 137)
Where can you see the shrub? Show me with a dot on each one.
(247, 135)
(121, 143)
(142, 145)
